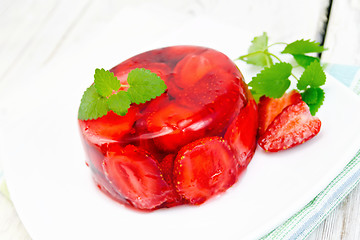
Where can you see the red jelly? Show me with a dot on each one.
(183, 147)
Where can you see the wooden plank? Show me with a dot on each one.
(344, 33)
(31, 32)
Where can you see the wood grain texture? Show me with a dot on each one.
(344, 33)
(35, 32)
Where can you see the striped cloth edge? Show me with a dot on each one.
(300, 225)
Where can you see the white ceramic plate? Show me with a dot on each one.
(56, 199)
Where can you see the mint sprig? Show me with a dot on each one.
(92, 105)
(258, 50)
(105, 82)
(274, 80)
(144, 85)
(105, 94)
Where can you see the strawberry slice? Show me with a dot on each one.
(109, 127)
(269, 108)
(293, 126)
(122, 71)
(218, 97)
(167, 167)
(176, 53)
(241, 135)
(204, 168)
(136, 176)
(195, 65)
(170, 124)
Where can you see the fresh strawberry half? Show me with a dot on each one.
(269, 108)
(204, 168)
(241, 135)
(136, 176)
(293, 126)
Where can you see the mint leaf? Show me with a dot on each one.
(303, 46)
(105, 82)
(259, 43)
(314, 98)
(272, 81)
(310, 95)
(256, 95)
(119, 103)
(104, 94)
(144, 85)
(304, 60)
(92, 105)
(313, 76)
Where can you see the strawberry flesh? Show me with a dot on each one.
(170, 125)
(293, 126)
(241, 135)
(269, 108)
(136, 176)
(204, 168)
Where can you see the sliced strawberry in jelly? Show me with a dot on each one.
(122, 71)
(167, 168)
(137, 177)
(109, 127)
(191, 69)
(171, 125)
(171, 150)
(195, 66)
(177, 53)
(222, 99)
(241, 135)
(204, 168)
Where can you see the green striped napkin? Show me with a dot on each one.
(301, 224)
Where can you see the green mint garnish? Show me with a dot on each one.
(92, 105)
(144, 85)
(258, 49)
(274, 80)
(303, 46)
(104, 95)
(313, 76)
(105, 82)
(119, 103)
(314, 98)
(304, 60)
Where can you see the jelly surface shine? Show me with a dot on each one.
(205, 119)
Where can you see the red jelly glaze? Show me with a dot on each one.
(205, 97)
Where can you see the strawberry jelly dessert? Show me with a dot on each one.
(182, 147)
